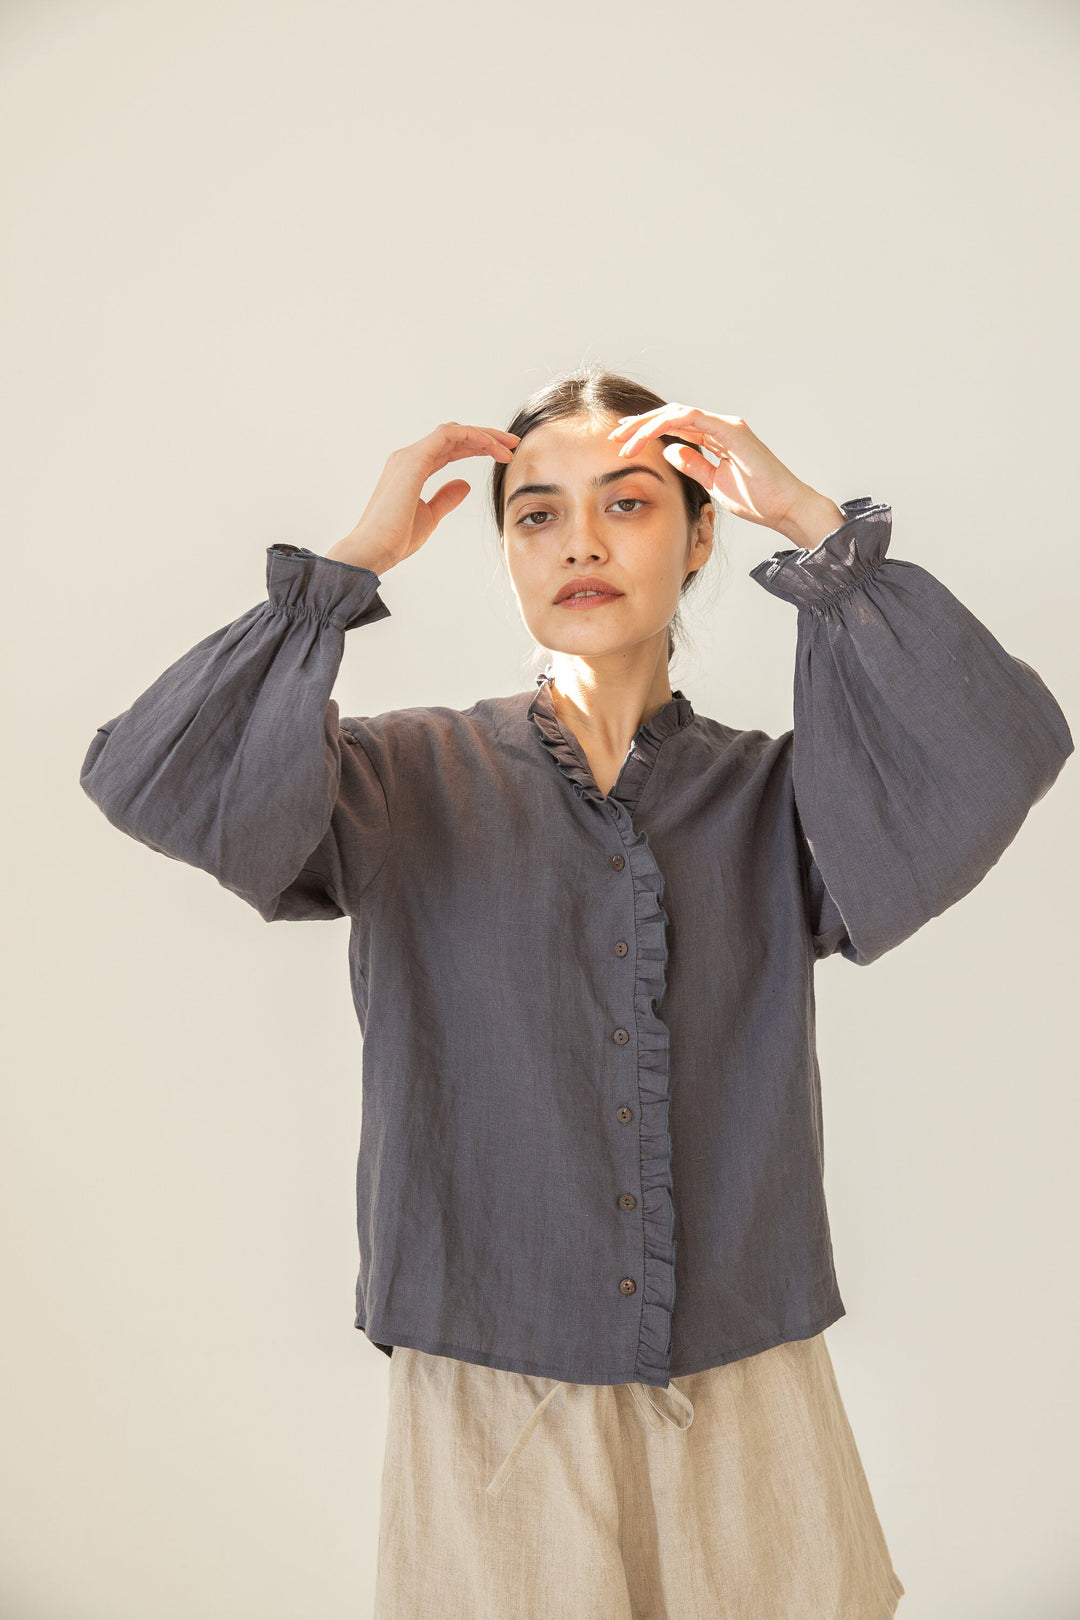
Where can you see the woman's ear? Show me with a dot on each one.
(706, 531)
(700, 544)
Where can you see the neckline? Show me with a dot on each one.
(636, 768)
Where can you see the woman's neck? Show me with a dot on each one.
(604, 704)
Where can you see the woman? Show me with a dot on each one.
(593, 1239)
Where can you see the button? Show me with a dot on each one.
(618, 862)
(621, 1037)
(627, 1201)
(621, 947)
(625, 1114)
(628, 1285)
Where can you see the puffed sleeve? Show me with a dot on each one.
(919, 744)
(234, 759)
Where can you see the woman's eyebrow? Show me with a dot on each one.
(597, 482)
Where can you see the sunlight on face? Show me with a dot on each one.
(621, 520)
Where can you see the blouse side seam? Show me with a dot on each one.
(352, 738)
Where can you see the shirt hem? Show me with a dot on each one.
(536, 1369)
(686, 1368)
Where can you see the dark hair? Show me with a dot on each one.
(594, 391)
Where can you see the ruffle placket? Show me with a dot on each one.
(653, 1361)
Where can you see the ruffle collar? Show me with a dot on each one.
(641, 755)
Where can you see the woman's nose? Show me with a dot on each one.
(582, 543)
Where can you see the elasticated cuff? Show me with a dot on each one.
(845, 557)
(302, 581)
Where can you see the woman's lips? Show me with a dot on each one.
(590, 601)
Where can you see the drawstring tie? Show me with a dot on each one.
(650, 1400)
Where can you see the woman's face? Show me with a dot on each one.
(619, 520)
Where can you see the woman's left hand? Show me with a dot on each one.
(748, 478)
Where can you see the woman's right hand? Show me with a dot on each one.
(396, 522)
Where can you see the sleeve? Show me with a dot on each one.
(919, 744)
(234, 759)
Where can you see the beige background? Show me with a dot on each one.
(251, 248)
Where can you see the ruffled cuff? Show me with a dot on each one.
(837, 564)
(299, 581)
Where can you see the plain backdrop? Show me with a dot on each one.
(248, 250)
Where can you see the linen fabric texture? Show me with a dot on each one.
(591, 1146)
(734, 1494)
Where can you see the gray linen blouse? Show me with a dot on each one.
(552, 1178)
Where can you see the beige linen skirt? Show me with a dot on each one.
(736, 1493)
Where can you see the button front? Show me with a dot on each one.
(628, 1285)
(621, 947)
(626, 1114)
(627, 1201)
(618, 862)
(621, 1037)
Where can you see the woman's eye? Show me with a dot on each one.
(624, 500)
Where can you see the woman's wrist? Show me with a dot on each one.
(808, 522)
(358, 555)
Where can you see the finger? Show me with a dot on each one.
(447, 497)
(626, 422)
(503, 436)
(684, 420)
(462, 441)
(692, 463)
(459, 430)
(451, 441)
(717, 432)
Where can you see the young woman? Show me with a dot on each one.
(584, 921)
